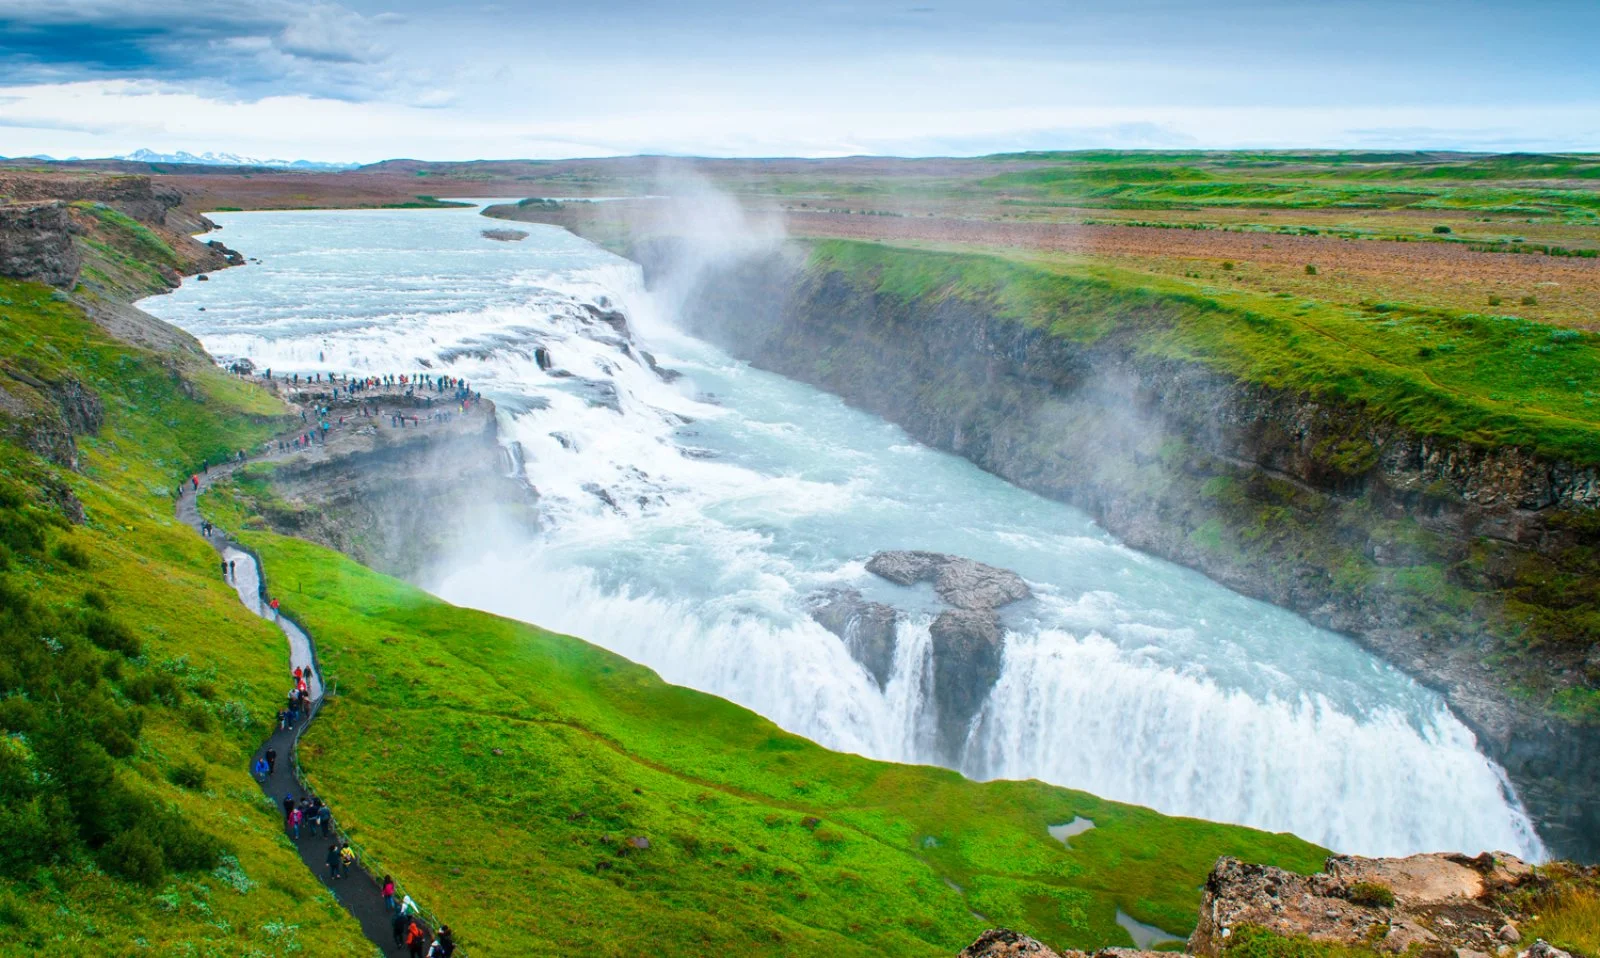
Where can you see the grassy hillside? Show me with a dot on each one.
(501, 771)
(1484, 378)
(133, 686)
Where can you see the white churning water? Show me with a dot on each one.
(734, 494)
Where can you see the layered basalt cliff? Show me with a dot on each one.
(120, 237)
(1463, 564)
(401, 500)
(36, 243)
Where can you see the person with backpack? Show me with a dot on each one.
(416, 939)
(347, 858)
(446, 942)
(260, 770)
(333, 866)
(288, 806)
(388, 893)
(325, 819)
(296, 816)
(272, 760)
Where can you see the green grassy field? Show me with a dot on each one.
(1488, 379)
(134, 684)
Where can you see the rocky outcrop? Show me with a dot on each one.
(867, 628)
(403, 501)
(1277, 495)
(1429, 904)
(137, 196)
(505, 236)
(47, 415)
(962, 583)
(1005, 943)
(36, 244)
(967, 639)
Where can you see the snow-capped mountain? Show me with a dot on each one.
(209, 158)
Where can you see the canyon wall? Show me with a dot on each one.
(1443, 557)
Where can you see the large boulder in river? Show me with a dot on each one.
(967, 640)
(966, 663)
(867, 628)
(963, 583)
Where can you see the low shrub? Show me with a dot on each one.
(72, 554)
(111, 635)
(188, 775)
(1370, 894)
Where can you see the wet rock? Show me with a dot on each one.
(232, 256)
(963, 583)
(541, 356)
(611, 317)
(505, 236)
(567, 442)
(202, 278)
(966, 664)
(602, 493)
(601, 395)
(867, 628)
(666, 375)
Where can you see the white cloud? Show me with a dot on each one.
(109, 117)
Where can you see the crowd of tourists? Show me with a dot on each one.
(308, 817)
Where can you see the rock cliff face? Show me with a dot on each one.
(36, 244)
(403, 500)
(1437, 555)
(42, 214)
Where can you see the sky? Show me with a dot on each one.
(364, 80)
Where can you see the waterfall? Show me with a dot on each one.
(687, 521)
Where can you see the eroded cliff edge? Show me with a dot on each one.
(1464, 564)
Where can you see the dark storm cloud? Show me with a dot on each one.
(244, 49)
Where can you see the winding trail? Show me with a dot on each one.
(359, 891)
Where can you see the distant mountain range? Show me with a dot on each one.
(209, 158)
